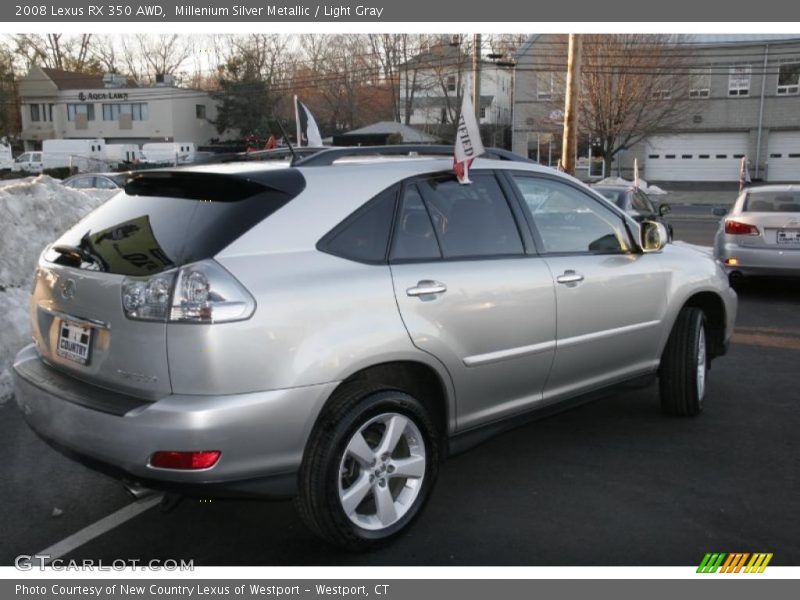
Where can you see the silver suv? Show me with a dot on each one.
(333, 329)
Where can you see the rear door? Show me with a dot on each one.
(610, 299)
(472, 293)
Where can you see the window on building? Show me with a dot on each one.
(700, 85)
(662, 94)
(451, 83)
(80, 109)
(483, 112)
(137, 110)
(545, 85)
(200, 111)
(789, 77)
(35, 113)
(739, 80)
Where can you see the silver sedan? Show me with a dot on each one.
(760, 235)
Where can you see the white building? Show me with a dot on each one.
(741, 98)
(431, 84)
(59, 104)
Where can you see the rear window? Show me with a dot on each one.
(167, 219)
(772, 202)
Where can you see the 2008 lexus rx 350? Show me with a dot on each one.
(333, 329)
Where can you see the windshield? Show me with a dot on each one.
(616, 196)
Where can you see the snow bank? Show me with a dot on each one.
(652, 190)
(35, 211)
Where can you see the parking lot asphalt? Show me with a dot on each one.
(612, 482)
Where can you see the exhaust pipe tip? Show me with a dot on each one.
(137, 490)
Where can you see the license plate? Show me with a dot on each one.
(74, 342)
(788, 236)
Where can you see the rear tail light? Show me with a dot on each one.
(172, 459)
(738, 228)
(201, 292)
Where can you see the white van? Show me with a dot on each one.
(169, 152)
(115, 154)
(83, 154)
(28, 161)
(6, 158)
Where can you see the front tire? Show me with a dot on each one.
(684, 365)
(369, 467)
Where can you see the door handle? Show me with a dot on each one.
(427, 287)
(569, 276)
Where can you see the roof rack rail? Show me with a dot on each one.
(328, 157)
(256, 155)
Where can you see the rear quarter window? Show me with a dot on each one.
(364, 235)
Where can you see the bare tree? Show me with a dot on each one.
(633, 85)
(145, 56)
(56, 51)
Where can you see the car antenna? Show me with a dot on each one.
(287, 140)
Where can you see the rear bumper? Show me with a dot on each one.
(261, 435)
(760, 261)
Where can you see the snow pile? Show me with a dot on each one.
(652, 190)
(35, 211)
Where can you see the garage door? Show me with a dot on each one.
(695, 157)
(783, 163)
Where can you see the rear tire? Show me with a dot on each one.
(684, 365)
(369, 467)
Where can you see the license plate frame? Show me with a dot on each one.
(787, 236)
(74, 342)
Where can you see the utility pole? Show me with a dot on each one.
(476, 75)
(570, 138)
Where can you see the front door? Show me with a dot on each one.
(610, 299)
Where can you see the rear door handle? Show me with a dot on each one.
(569, 276)
(427, 287)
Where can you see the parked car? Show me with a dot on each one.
(105, 181)
(30, 162)
(333, 329)
(636, 203)
(760, 235)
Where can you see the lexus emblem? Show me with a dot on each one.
(68, 289)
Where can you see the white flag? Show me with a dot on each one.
(744, 174)
(468, 136)
(307, 131)
(636, 181)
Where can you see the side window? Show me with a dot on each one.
(83, 182)
(364, 236)
(104, 184)
(471, 220)
(569, 221)
(414, 238)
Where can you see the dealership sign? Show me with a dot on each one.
(84, 96)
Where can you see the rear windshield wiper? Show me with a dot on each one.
(79, 254)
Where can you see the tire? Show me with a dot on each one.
(684, 365)
(354, 493)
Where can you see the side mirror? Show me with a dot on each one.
(719, 211)
(664, 209)
(653, 236)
